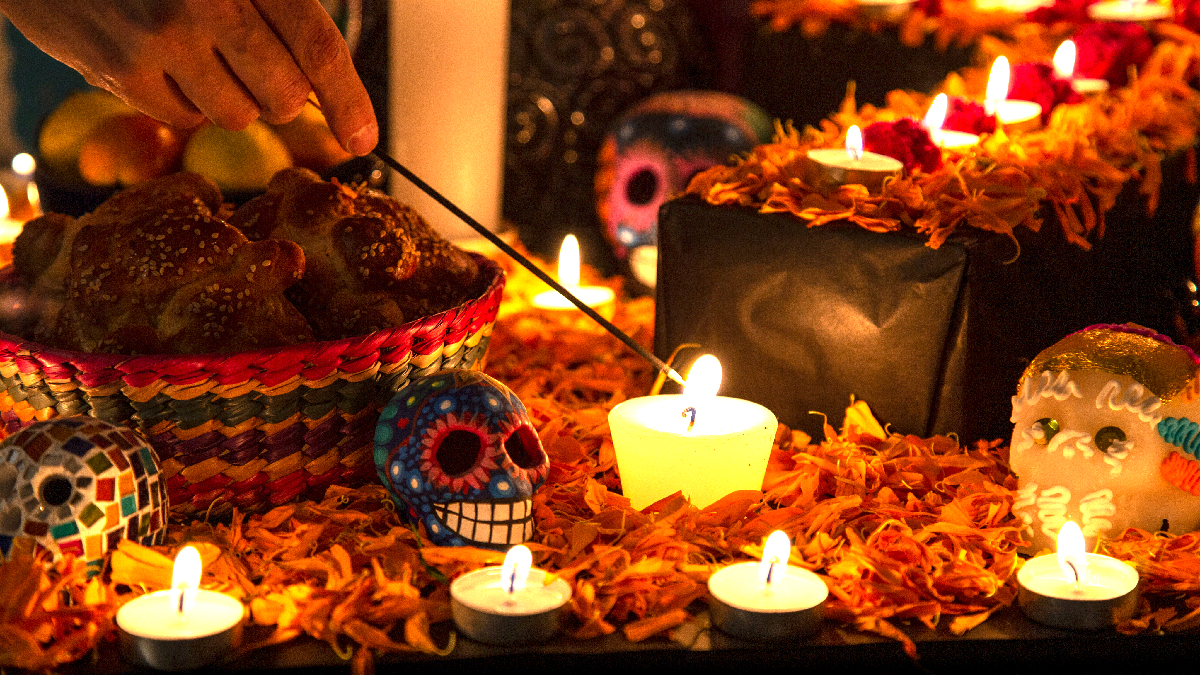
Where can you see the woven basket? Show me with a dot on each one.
(250, 429)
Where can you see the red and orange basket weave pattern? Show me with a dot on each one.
(250, 429)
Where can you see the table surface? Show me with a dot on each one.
(1007, 642)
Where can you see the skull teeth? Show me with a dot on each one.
(493, 523)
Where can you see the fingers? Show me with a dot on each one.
(319, 51)
(256, 57)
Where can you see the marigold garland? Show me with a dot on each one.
(1078, 163)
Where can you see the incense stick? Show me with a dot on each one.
(529, 265)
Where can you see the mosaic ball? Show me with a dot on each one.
(79, 485)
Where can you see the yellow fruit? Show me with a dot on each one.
(236, 160)
(63, 132)
(311, 142)
(128, 149)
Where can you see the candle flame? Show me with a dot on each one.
(776, 551)
(704, 379)
(997, 86)
(185, 576)
(515, 571)
(4, 208)
(854, 142)
(568, 262)
(935, 117)
(1064, 60)
(34, 197)
(1071, 555)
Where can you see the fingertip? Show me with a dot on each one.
(364, 140)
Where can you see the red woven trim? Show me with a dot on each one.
(269, 366)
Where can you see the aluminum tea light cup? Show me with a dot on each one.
(509, 605)
(1077, 590)
(183, 628)
(768, 600)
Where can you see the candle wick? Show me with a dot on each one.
(512, 583)
(1074, 570)
(181, 601)
(692, 419)
(770, 572)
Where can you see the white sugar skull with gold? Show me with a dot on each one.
(1101, 435)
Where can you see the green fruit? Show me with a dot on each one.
(236, 160)
(65, 129)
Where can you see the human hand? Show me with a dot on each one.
(230, 61)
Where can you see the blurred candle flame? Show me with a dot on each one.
(776, 551)
(515, 571)
(854, 142)
(997, 86)
(1064, 60)
(935, 117)
(568, 262)
(704, 379)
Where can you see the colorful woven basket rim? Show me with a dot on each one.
(95, 370)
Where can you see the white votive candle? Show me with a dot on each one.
(1064, 68)
(946, 139)
(601, 298)
(697, 442)
(509, 604)
(830, 168)
(1077, 590)
(768, 599)
(183, 628)
(1128, 10)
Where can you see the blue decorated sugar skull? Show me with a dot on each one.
(459, 454)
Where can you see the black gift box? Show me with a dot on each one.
(934, 340)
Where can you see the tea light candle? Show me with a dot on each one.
(767, 600)
(596, 297)
(509, 604)
(829, 168)
(183, 628)
(1011, 113)
(1129, 10)
(1016, 6)
(1064, 67)
(946, 139)
(1074, 589)
(885, 10)
(703, 444)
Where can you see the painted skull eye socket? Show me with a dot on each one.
(1044, 429)
(458, 452)
(1106, 437)
(524, 448)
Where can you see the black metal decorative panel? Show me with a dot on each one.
(575, 65)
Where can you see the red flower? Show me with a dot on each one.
(1187, 14)
(1039, 83)
(907, 141)
(968, 116)
(930, 7)
(1072, 11)
(1106, 49)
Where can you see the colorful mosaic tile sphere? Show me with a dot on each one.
(79, 485)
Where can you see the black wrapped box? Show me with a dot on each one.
(933, 340)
